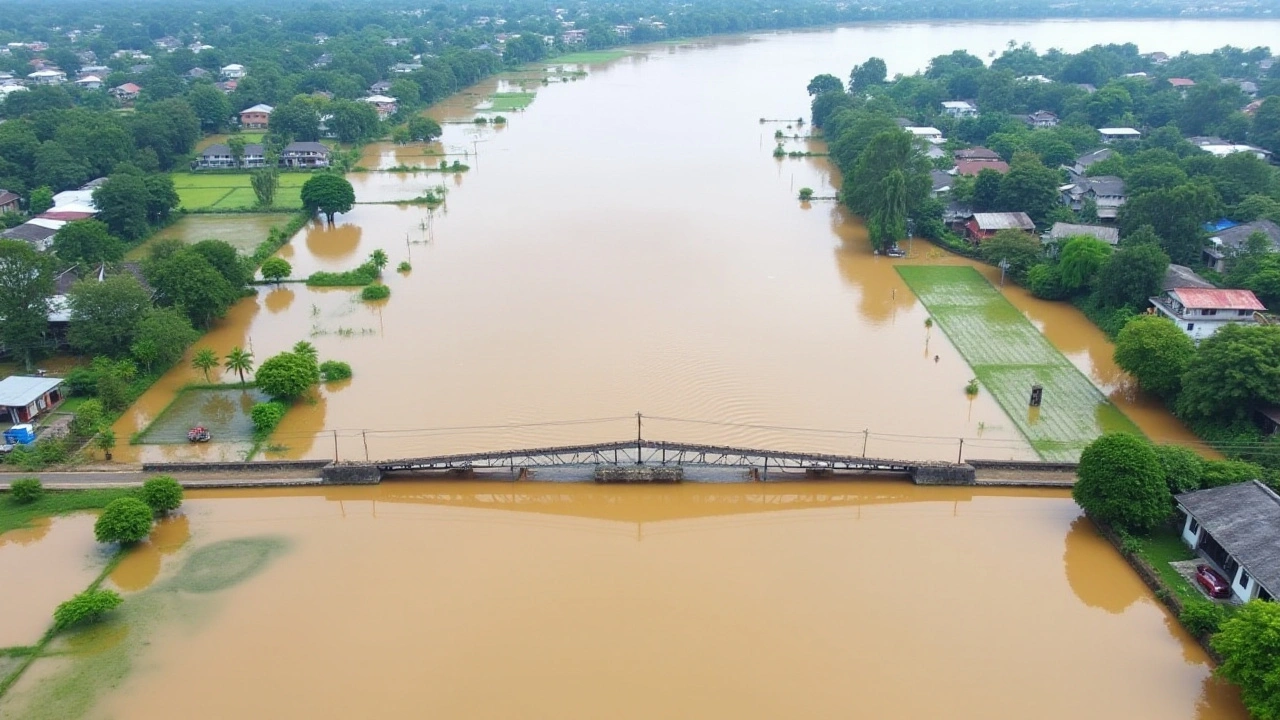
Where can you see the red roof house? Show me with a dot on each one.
(973, 167)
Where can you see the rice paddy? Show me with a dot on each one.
(588, 57)
(233, 191)
(1009, 355)
(509, 101)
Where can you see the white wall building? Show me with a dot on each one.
(1201, 312)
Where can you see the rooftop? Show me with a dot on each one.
(1120, 132)
(1237, 236)
(22, 390)
(259, 108)
(1181, 276)
(973, 167)
(1216, 299)
(1245, 520)
(1003, 221)
(1061, 230)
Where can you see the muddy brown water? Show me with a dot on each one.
(526, 600)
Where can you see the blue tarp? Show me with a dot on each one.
(1219, 225)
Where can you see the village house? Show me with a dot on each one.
(99, 70)
(1061, 231)
(573, 37)
(8, 202)
(47, 77)
(959, 109)
(305, 155)
(323, 60)
(1042, 119)
(90, 82)
(23, 398)
(1106, 191)
(971, 168)
(981, 226)
(1201, 312)
(1110, 135)
(1083, 162)
(1181, 276)
(125, 92)
(384, 105)
(1221, 148)
(1182, 84)
(928, 134)
(405, 68)
(976, 153)
(1237, 528)
(38, 232)
(1248, 87)
(1158, 58)
(257, 117)
(382, 87)
(234, 71)
(942, 182)
(1227, 242)
(218, 157)
(195, 73)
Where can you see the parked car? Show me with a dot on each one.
(1212, 582)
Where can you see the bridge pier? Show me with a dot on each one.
(944, 474)
(350, 474)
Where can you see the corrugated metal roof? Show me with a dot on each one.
(1245, 520)
(1216, 299)
(1003, 221)
(973, 167)
(22, 390)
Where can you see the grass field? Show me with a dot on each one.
(1163, 547)
(14, 516)
(232, 191)
(510, 101)
(1008, 355)
(589, 56)
(226, 413)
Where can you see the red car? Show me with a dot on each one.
(1212, 582)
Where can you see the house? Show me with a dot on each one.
(405, 68)
(1035, 79)
(228, 86)
(1061, 231)
(305, 155)
(196, 73)
(1200, 312)
(1249, 88)
(99, 70)
(384, 105)
(23, 398)
(1229, 241)
(1122, 133)
(395, 41)
(942, 182)
(928, 134)
(1158, 58)
(8, 202)
(981, 226)
(1181, 276)
(234, 71)
(257, 117)
(1106, 191)
(976, 153)
(1042, 119)
(90, 82)
(1084, 161)
(47, 77)
(973, 167)
(323, 60)
(959, 109)
(573, 37)
(382, 87)
(1222, 148)
(1237, 528)
(218, 156)
(37, 231)
(125, 92)
(1181, 84)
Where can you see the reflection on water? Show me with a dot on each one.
(751, 601)
(40, 567)
(141, 565)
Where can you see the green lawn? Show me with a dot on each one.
(510, 101)
(1008, 355)
(1163, 547)
(589, 56)
(14, 516)
(233, 191)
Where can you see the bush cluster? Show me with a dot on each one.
(124, 520)
(267, 415)
(162, 494)
(88, 606)
(375, 292)
(331, 370)
(25, 491)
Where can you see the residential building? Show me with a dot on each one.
(1201, 312)
(405, 68)
(37, 231)
(90, 82)
(973, 167)
(196, 73)
(573, 37)
(47, 77)
(382, 87)
(305, 155)
(928, 134)
(1035, 79)
(234, 71)
(981, 226)
(1222, 148)
(8, 202)
(1158, 58)
(1106, 191)
(1181, 276)
(1061, 231)
(1084, 161)
(1237, 529)
(395, 42)
(227, 86)
(23, 398)
(1249, 88)
(218, 156)
(959, 109)
(257, 117)
(323, 60)
(1182, 84)
(1042, 119)
(942, 182)
(384, 105)
(99, 70)
(1121, 133)
(126, 92)
(976, 153)
(1227, 242)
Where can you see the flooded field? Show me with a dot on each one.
(242, 230)
(534, 600)
(626, 243)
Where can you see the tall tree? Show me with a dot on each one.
(185, 279)
(1030, 187)
(1081, 259)
(1176, 215)
(236, 145)
(1249, 642)
(204, 360)
(888, 222)
(1156, 353)
(870, 73)
(163, 335)
(26, 284)
(883, 202)
(122, 204)
(824, 84)
(105, 315)
(328, 193)
(87, 242)
(265, 181)
(239, 361)
(1234, 373)
(210, 105)
(1121, 482)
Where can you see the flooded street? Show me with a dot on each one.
(534, 600)
(628, 244)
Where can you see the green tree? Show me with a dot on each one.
(378, 258)
(298, 119)
(87, 417)
(236, 145)
(185, 279)
(226, 260)
(1183, 468)
(1030, 187)
(1156, 353)
(885, 201)
(1249, 642)
(1218, 473)
(986, 190)
(210, 106)
(239, 361)
(122, 205)
(526, 48)
(86, 607)
(423, 129)
(1045, 282)
(25, 491)
(1120, 482)
(1021, 250)
(888, 222)
(106, 441)
(1233, 373)
(162, 493)
(353, 121)
(287, 376)
(205, 360)
(1131, 276)
(162, 336)
(328, 193)
(267, 415)
(1176, 215)
(824, 84)
(41, 200)
(304, 349)
(87, 242)
(265, 181)
(26, 284)
(1081, 259)
(276, 269)
(870, 73)
(105, 315)
(124, 520)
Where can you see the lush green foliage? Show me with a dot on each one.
(87, 417)
(15, 515)
(239, 361)
(1202, 618)
(1131, 276)
(26, 490)
(26, 283)
(204, 360)
(331, 370)
(375, 292)
(163, 335)
(1120, 482)
(124, 520)
(1183, 468)
(288, 375)
(1014, 247)
(1233, 373)
(404, 266)
(329, 194)
(105, 315)
(1155, 352)
(87, 242)
(1228, 472)
(85, 607)
(162, 493)
(1249, 642)
(266, 416)
(276, 269)
(1080, 261)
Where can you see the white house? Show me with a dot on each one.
(1237, 529)
(959, 109)
(90, 82)
(383, 104)
(1122, 133)
(1042, 119)
(929, 134)
(1200, 312)
(1228, 242)
(234, 71)
(47, 77)
(22, 397)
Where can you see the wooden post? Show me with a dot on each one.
(960, 454)
(865, 433)
(365, 439)
(335, 446)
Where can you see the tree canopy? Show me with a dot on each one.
(329, 194)
(1120, 481)
(1156, 353)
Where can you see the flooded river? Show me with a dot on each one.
(628, 244)
(534, 600)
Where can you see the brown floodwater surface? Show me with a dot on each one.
(627, 243)
(872, 599)
(41, 566)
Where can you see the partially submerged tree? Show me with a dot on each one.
(329, 194)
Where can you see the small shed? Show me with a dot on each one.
(23, 397)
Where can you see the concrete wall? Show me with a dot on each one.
(350, 474)
(231, 467)
(944, 474)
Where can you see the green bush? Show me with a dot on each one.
(267, 415)
(1202, 617)
(26, 490)
(404, 266)
(362, 275)
(124, 520)
(1249, 642)
(88, 606)
(331, 370)
(162, 493)
(87, 417)
(375, 292)
(1183, 468)
(1120, 482)
(1228, 472)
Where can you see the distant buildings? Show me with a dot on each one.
(959, 109)
(1201, 312)
(1110, 135)
(981, 226)
(294, 155)
(257, 117)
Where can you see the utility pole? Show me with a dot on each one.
(335, 446)
(960, 454)
(365, 439)
(639, 441)
(865, 433)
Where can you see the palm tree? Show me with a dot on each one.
(307, 350)
(204, 361)
(239, 361)
(379, 259)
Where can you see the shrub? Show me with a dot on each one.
(1249, 642)
(124, 520)
(1201, 617)
(26, 490)
(331, 370)
(1183, 468)
(267, 415)
(1228, 472)
(287, 375)
(87, 417)
(972, 387)
(404, 266)
(88, 606)
(1121, 483)
(806, 193)
(375, 292)
(162, 493)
